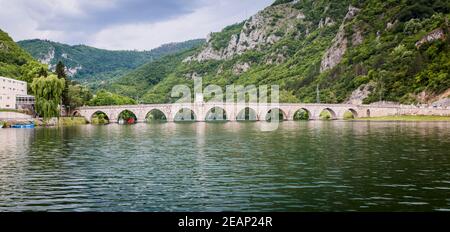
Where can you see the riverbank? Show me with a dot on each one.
(408, 118)
(63, 121)
(72, 121)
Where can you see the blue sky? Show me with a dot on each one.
(122, 24)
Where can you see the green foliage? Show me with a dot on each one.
(278, 2)
(15, 62)
(61, 73)
(220, 39)
(418, 9)
(349, 115)
(387, 58)
(100, 118)
(137, 82)
(105, 98)
(98, 65)
(79, 96)
(126, 115)
(301, 115)
(72, 121)
(156, 116)
(325, 115)
(48, 91)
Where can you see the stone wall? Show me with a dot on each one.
(13, 116)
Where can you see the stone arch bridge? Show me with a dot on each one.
(201, 110)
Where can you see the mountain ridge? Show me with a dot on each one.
(15, 62)
(90, 65)
(354, 51)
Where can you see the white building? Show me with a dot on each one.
(13, 94)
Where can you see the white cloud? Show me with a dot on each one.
(95, 22)
(198, 24)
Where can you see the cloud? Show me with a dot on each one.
(122, 24)
(95, 14)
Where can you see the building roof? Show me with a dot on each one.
(12, 79)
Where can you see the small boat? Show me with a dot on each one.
(23, 126)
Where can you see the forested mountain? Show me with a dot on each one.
(14, 61)
(353, 50)
(92, 66)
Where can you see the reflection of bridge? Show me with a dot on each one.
(201, 110)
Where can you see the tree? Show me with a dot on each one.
(79, 96)
(48, 91)
(43, 72)
(61, 73)
(60, 70)
(104, 98)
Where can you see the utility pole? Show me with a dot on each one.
(318, 94)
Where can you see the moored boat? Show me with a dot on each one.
(23, 126)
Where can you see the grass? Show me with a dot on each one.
(12, 111)
(99, 121)
(72, 121)
(410, 118)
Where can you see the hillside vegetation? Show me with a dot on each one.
(15, 62)
(92, 66)
(353, 50)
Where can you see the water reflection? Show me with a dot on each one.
(303, 166)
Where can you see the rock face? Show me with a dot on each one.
(241, 68)
(192, 76)
(3, 46)
(334, 54)
(437, 34)
(326, 23)
(275, 58)
(360, 94)
(357, 37)
(73, 71)
(47, 59)
(265, 28)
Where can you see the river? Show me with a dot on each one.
(302, 166)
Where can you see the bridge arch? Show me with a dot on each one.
(156, 115)
(350, 114)
(247, 114)
(185, 115)
(76, 113)
(368, 113)
(99, 117)
(302, 114)
(274, 112)
(328, 114)
(216, 114)
(127, 117)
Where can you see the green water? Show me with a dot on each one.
(302, 166)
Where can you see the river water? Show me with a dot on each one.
(302, 166)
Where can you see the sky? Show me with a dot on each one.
(122, 24)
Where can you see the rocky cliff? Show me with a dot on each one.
(355, 51)
(261, 30)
